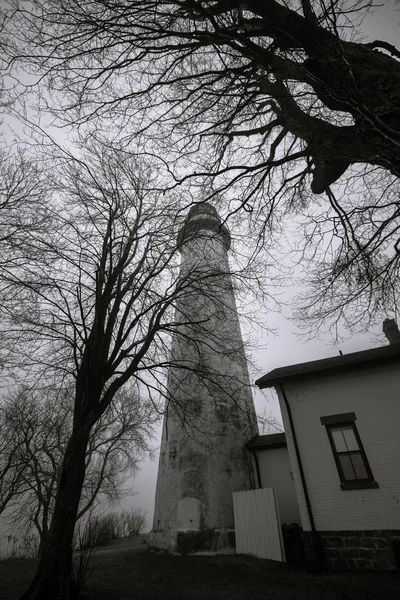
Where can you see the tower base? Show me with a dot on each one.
(204, 541)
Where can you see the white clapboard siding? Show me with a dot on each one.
(257, 524)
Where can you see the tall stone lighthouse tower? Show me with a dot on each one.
(210, 412)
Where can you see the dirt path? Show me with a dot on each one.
(135, 545)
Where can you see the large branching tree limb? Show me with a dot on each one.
(268, 102)
(258, 48)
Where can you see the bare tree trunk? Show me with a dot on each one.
(42, 545)
(53, 579)
(44, 539)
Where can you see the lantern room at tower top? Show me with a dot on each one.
(203, 217)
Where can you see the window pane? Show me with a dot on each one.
(359, 466)
(350, 438)
(347, 467)
(338, 438)
(344, 438)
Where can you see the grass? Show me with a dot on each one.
(130, 572)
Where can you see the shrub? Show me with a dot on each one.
(105, 530)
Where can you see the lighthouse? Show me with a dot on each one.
(209, 415)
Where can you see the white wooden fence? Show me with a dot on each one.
(257, 525)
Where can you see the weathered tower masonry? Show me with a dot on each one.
(210, 412)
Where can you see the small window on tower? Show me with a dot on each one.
(350, 458)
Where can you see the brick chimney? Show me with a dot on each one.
(391, 331)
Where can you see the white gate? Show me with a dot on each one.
(257, 525)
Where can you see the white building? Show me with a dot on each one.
(272, 466)
(341, 418)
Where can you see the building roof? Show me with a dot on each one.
(265, 442)
(336, 364)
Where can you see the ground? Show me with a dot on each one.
(128, 571)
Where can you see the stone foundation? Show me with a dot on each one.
(377, 550)
(219, 541)
(213, 541)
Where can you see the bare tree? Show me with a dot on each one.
(39, 423)
(42, 424)
(276, 101)
(23, 192)
(103, 530)
(118, 443)
(94, 304)
(134, 522)
(87, 306)
(12, 463)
